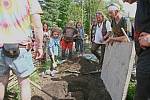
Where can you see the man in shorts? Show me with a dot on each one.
(16, 17)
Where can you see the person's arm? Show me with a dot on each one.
(76, 33)
(38, 31)
(119, 39)
(64, 31)
(109, 30)
(83, 33)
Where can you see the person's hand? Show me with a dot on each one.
(54, 64)
(110, 40)
(39, 53)
(130, 1)
(75, 35)
(144, 39)
(105, 37)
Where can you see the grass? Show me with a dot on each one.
(131, 91)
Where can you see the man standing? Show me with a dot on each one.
(118, 22)
(142, 28)
(16, 17)
(101, 33)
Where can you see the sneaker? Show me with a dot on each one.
(47, 72)
(53, 72)
(43, 74)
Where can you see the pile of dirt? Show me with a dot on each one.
(79, 65)
(74, 82)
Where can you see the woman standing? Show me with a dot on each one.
(79, 39)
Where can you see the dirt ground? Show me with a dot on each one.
(78, 79)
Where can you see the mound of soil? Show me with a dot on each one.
(73, 82)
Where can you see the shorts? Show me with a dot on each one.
(66, 44)
(22, 66)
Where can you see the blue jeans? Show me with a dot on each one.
(22, 66)
(79, 45)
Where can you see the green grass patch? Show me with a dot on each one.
(131, 91)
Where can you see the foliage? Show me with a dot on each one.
(55, 12)
(51, 12)
(59, 12)
(131, 91)
(63, 15)
(91, 7)
(13, 93)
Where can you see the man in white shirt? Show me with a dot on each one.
(102, 33)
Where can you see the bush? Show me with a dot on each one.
(131, 91)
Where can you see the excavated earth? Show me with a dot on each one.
(77, 79)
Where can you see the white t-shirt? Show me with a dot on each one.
(47, 33)
(98, 35)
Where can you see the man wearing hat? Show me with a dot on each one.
(118, 22)
(101, 33)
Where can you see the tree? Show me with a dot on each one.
(63, 12)
(51, 12)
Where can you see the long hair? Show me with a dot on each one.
(79, 23)
(45, 30)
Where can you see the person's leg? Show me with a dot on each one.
(94, 50)
(77, 43)
(4, 75)
(143, 76)
(81, 47)
(24, 85)
(70, 46)
(142, 87)
(102, 54)
(64, 47)
(23, 67)
(51, 63)
(3, 84)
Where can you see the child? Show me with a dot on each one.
(54, 48)
(79, 39)
(69, 33)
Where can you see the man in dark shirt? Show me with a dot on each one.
(142, 28)
(118, 22)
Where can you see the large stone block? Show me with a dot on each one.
(117, 67)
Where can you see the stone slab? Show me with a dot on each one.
(117, 67)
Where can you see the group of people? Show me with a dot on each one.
(120, 30)
(58, 44)
(106, 32)
(17, 17)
